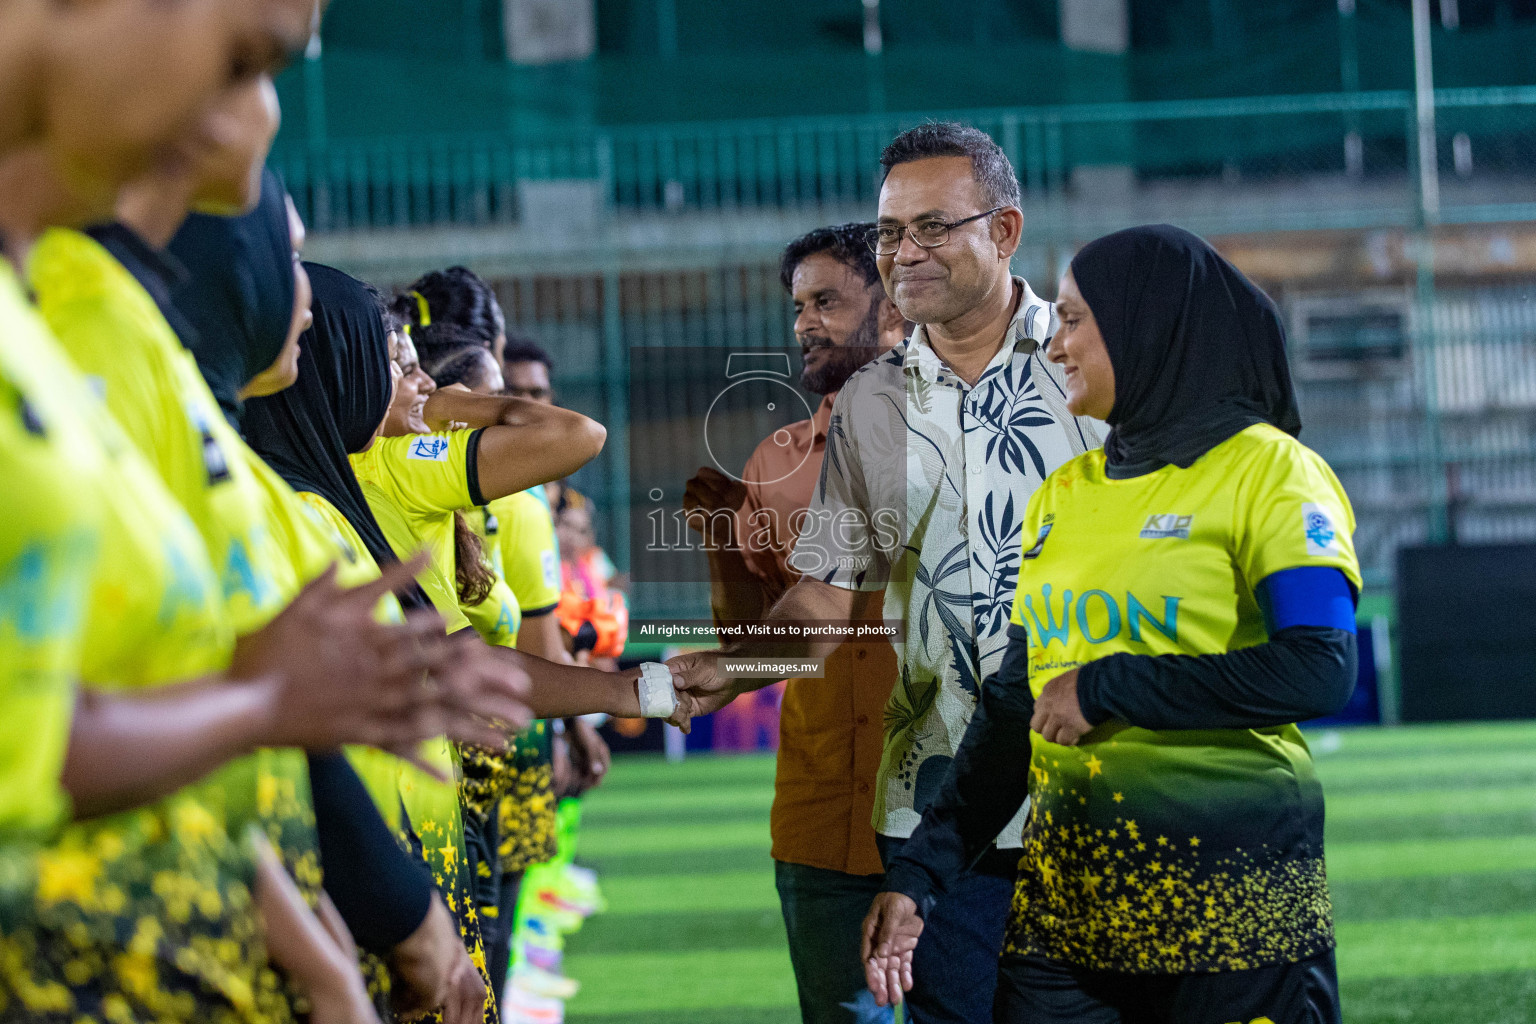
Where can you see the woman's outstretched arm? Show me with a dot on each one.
(986, 784)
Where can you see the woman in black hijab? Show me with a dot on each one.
(334, 408)
(305, 432)
(246, 299)
(1198, 351)
(1185, 596)
(239, 299)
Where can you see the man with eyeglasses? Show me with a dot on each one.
(932, 453)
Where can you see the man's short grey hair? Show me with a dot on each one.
(989, 164)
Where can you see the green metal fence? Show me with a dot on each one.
(1432, 431)
(1364, 140)
(1435, 440)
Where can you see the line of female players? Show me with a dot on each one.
(262, 711)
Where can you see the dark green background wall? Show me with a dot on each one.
(406, 67)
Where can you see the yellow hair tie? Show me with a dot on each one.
(422, 309)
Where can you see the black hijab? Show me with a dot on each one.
(341, 396)
(1198, 350)
(238, 297)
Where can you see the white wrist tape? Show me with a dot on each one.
(657, 697)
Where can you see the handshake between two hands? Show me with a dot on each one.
(701, 689)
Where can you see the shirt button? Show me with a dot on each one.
(863, 787)
(859, 654)
(976, 469)
(861, 720)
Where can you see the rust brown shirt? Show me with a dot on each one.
(830, 729)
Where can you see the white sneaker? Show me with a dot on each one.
(520, 1007)
(544, 983)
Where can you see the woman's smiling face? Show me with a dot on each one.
(1079, 348)
(411, 391)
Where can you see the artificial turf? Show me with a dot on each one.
(1431, 861)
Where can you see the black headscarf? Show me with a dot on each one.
(239, 294)
(1198, 349)
(334, 408)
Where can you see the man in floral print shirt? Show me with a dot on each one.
(932, 453)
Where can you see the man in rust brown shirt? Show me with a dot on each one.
(830, 730)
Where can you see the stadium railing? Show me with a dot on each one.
(1362, 144)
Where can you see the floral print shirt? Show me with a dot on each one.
(922, 494)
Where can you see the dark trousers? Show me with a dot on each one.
(1036, 990)
(823, 916)
(481, 840)
(954, 969)
(498, 937)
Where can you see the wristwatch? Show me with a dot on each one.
(657, 697)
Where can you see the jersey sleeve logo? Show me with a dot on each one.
(429, 448)
(551, 566)
(1034, 552)
(1168, 525)
(1322, 538)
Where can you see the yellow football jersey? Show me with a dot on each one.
(1189, 850)
(153, 615)
(54, 470)
(520, 537)
(151, 385)
(433, 821)
(414, 484)
(156, 609)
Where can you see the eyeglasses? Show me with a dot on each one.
(885, 239)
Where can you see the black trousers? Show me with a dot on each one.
(482, 839)
(1036, 990)
(498, 938)
(954, 968)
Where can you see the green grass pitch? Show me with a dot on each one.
(1431, 859)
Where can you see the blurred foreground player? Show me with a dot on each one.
(1196, 581)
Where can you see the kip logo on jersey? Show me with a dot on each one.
(1167, 525)
(214, 462)
(31, 421)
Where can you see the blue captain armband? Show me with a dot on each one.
(1309, 595)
